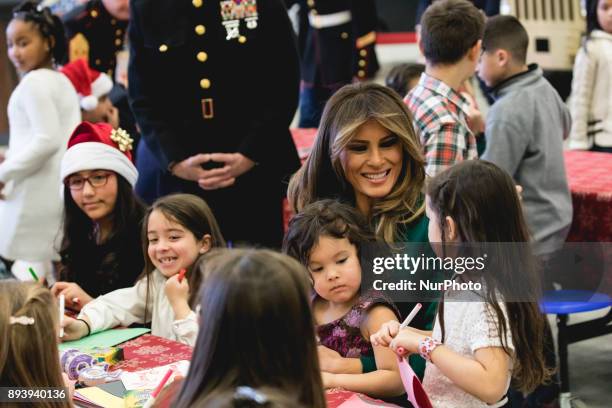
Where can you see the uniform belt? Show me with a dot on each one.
(329, 20)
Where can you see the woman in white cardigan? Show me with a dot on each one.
(591, 102)
(43, 110)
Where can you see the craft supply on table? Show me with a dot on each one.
(110, 355)
(149, 379)
(158, 389)
(85, 368)
(136, 398)
(106, 338)
(73, 361)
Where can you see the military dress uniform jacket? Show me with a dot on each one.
(95, 35)
(198, 85)
(218, 76)
(337, 39)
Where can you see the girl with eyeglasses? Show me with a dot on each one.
(42, 111)
(101, 248)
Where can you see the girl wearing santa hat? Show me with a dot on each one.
(101, 248)
(43, 110)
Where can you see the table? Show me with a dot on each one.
(589, 175)
(150, 351)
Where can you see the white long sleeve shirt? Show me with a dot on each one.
(43, 111)
(591, 101)
(126, 306)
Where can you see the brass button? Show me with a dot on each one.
(311, 3)
(363, 53)
(313, 12)
(113, 21)
(200, 29)
(205, 83)
(94, 13)
(344, 35)
(202, 56)
(163, 48)
(118, 32)
(362, 63)
(242, 39)
(196, 3)
(98, 61)
(361, 73)
(118, 42)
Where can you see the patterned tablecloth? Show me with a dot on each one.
(150, 351)
(589, 176)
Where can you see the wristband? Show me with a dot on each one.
(427, 346)
(88, 327)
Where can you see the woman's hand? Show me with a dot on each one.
(73, 329)
(385, 334)
(178, 296)
(76, 297)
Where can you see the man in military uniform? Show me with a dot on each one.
(214, 86)
(96, 31)
(337, 41)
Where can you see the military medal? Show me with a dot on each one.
(232, 11)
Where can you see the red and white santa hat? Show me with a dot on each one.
(89, 83)
(97, 146)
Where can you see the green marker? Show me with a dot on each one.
(33, 274)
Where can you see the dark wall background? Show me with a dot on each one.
(396, 15)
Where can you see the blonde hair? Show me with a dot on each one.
(322, 176)
(28, 352)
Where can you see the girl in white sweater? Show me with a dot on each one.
(591, 102)
(43, 110)
(177, 229)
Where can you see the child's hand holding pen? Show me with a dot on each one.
(399, 337)
(177, 292)
(75, 296)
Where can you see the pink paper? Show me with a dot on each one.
(361, 401)
(416, 395)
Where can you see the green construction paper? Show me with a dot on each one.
(107, 338)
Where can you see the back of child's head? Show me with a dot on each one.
(449, 29)
(49, 25)
(482, 200)
(506, 33)
(247, 397)
(402, 77)
(324, 218)
(256, 328)
(28, 337)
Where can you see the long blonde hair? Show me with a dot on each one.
(322, 176)
(28, 352)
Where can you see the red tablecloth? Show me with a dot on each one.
(150, 351)
(589, 175)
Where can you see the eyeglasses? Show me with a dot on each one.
(76, 182)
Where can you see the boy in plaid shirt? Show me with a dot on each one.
(451, 34)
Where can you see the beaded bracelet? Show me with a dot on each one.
(426, 346)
